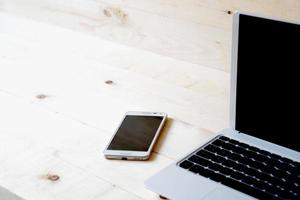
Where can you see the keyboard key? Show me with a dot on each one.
(260, 158)
(278, 182)
(234, 142)
(211, 148)
(248, 170)
(233, 156)
(205, 154)
(226, 171)
(244, 160)
(261, 176)
(257, 165)
(224, 138)
(286, 160)
(216, 177)
(295, 180)
(251, 154)
(275, 156)
(200, 161)
(232, 164)
(218, 142)
(251, 148)
(245, 146)
(186, 164)
(237, 176)
(265, 153)
(241, 150)
(281, 174)
(215, 167)
(222, 152)
(296, 164)
(206, 173)
(228, 146)
(218, 159)
(196, 169)
(281, 165)
(285, 194)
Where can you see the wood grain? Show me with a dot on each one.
(195, 31)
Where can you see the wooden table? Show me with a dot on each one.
(63, 92)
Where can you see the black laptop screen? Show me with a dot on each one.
(268, 79)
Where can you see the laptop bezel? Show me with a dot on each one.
(233, 78)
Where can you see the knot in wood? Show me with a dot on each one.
(53, 177)
(109, 82)
(41, 96)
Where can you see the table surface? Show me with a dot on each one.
(62, 95)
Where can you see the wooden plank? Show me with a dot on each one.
(194, 31)
(192, 42)
(212, 13)
(193, 77)
(191, 96)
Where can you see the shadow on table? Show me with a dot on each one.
(161, 139)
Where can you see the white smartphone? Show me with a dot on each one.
(135, 136)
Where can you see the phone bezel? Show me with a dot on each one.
(135, 155)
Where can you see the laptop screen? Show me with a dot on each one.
(268, 79)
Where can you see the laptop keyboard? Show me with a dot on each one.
(248, 169)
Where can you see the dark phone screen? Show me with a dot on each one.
(135, 133)
(267, 96)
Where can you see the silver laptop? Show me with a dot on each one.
(258, 156)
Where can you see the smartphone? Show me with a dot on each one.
(135, 136)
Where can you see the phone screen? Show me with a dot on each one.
(135, 133)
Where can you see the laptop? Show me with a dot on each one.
(258, 156)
